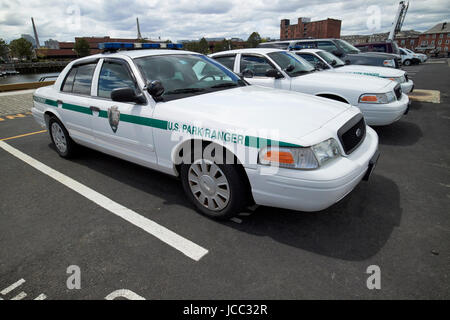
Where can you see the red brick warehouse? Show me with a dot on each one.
(305, 28)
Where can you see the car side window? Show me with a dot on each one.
(310, 58)
(327, 46)
(113, 75)
(304, 45)
(257, 64)
(83, 79)
(379, 48)
(227, 61)
(68, 82)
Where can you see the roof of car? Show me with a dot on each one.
(250, 50)
(136, 53)
(309, 50)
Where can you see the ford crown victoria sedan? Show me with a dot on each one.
(232, 144)
(327, 61)
(380, 100)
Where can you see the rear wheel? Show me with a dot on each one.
(60, 137)
(216, 190)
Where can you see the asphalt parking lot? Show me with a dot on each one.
(399, 221)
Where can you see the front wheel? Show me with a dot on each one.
(216, 190)
(407, 62)
(60, 137)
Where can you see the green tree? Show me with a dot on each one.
(203, 46)
(253, 40)
(82, 48)
(222, 45)
(3, 50)
(21, 48)
(191, 46)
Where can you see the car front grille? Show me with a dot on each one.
(352, 134)
(398, 92)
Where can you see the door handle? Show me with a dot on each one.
(96, 109)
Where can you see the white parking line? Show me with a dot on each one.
(13, 286)
(41, 297)
(169, 237)
(20, 296)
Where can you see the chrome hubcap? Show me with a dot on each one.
(59, 138)
(209, 185)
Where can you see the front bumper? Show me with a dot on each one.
(384, 114)
(314, 190)
(407, 87)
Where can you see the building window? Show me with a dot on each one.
(440, 42)
(403, 42)
(434, 35)
(411, 42)
(446, 41)
(441, 35)
(432, 42)
(427, 36)
(446, 48)
(424, 42)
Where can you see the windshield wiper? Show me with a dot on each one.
(225, 85)
(185, 90)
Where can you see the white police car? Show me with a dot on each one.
(231, 143)
(329, 62)
(380, 100)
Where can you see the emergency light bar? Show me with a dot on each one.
(114, 46)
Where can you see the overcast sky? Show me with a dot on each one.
(193, 19)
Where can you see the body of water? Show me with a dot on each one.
(19, 78)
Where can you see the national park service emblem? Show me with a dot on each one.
(114, 117)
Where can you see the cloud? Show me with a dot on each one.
(192, 19)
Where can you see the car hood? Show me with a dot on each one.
(279, 114)
(343, 81)
(371, 71)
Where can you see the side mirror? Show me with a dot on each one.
(333, 63)
(155, 89)
(127, 94)
(247, 73)
(272, 73)
(321, 65)
(347, 62)
(337, 53)
(289, 68)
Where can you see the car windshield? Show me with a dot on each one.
(347, 47)
(329, 58)
(187, 74)
(292, 65)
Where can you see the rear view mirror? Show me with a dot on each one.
(336, 53)
(127, 94)
(289, 68)
(272, 73)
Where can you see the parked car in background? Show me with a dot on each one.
(383, 46)
(327, 61)
(341, 49)
(408, 58)
(380, 100)
(422, 57)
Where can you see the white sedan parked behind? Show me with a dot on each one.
(327, 61)
(380, 100)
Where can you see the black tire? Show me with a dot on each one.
(237, 189)
(70, 145)
(407, 62)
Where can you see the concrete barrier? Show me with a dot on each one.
(24, 86)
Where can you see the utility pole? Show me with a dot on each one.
(35, 34)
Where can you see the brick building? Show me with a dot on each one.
(437, 38)
(305, 28)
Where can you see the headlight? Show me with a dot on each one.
(397, 79)
(378, 98)
(389, 63)
(300, 158)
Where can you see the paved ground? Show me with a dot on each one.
(399, 221)
(15, 102)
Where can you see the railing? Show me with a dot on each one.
(24, 86)
(47, 77)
